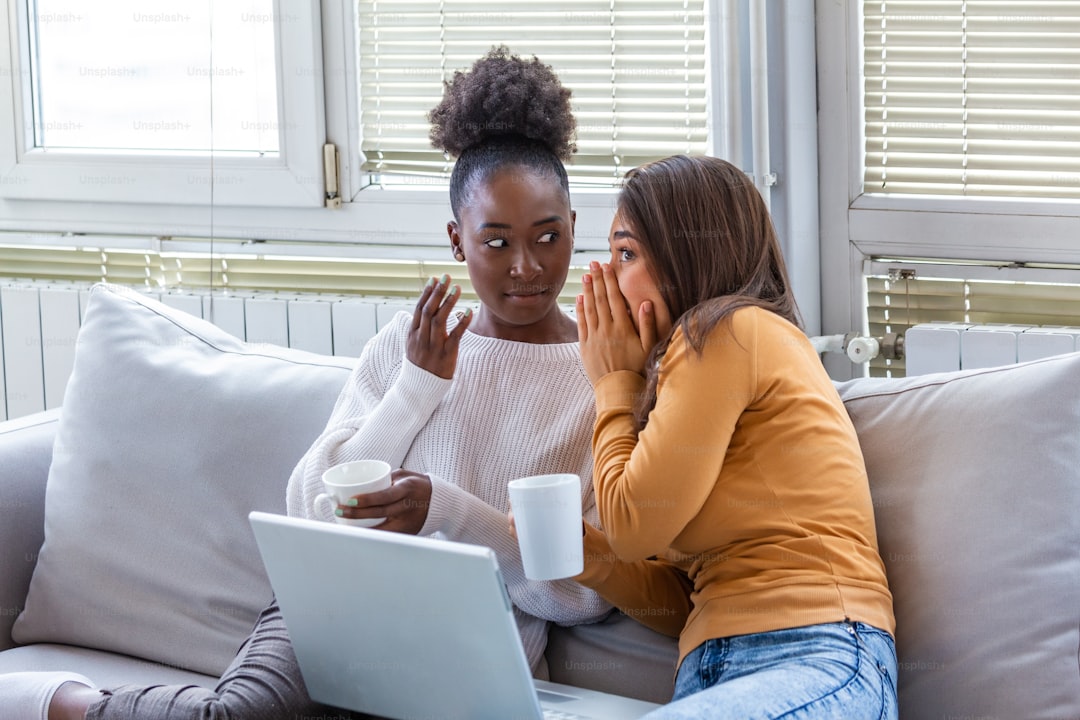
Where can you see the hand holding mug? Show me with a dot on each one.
(546, 519)
(344, 483)
(402, 507)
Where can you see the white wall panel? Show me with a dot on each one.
(309, 326)
(387, 309)
(191, 304)
(267, 320)
(59, 332)
(24, 378)
(355, 322)
(227, 312)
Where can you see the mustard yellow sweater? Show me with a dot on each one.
(743, 505)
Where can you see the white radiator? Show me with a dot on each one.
(39, 322)
(941, 347)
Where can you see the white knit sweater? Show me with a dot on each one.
(512, 409)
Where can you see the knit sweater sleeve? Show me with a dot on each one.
(463, 517)
(385, 402)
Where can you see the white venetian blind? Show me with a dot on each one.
(972, 97)
(636, 68)
(267, 271)
(895, 302)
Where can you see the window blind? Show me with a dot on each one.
(972, 97)
(894, 303)
(636, 70)
(165, 270)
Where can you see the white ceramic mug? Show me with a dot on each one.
(358, 477)
(547, 516)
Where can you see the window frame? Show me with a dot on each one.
(411, 222)
(293, 178)
(858, 226)
(387, 221)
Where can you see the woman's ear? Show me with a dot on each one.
(455, 241)
(573, 226)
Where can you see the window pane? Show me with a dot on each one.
(144, 75)
(972, 97)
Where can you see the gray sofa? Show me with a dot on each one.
(125, 553)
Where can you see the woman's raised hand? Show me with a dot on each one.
(429, 345)
(609, 340)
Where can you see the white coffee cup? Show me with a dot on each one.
(358, 477)
(547, 516)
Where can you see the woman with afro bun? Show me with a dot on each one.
(460, 403)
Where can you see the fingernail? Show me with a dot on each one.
(352, 502)
(580, 299)
(445, 279)
(457, 289)
(586, 278)
(339, 512)
(430, 281)
(468, 313)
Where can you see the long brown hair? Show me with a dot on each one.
(710, 246)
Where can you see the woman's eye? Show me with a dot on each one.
(495, 242)
(548, 237)
(626, 255)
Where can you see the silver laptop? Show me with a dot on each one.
(409, 627)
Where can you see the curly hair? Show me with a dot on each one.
(504, 111)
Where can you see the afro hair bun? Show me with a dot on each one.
(503, 95)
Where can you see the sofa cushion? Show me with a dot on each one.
(172, 431)
(975, 477)
(617, 655)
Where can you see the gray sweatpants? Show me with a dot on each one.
(262, 683)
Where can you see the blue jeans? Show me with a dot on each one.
(837, 670)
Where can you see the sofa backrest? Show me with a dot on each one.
(25, 453)
(975, 478)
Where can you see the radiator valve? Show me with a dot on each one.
(860, 348)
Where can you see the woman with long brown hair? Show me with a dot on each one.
(730, 484)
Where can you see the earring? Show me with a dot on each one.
(458, 255)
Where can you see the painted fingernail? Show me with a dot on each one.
(457, 289)
(430, 281)
(445, 279)
(339, 512)
(468, 313)
(353, 502)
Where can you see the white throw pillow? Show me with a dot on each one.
(171, 432)
(975, 477)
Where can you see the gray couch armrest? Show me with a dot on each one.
(26, 446)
